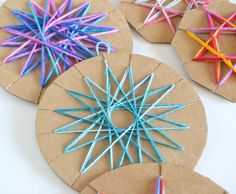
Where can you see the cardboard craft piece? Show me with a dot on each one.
(186, 48)
(158, 32)
(141, 178)
(68, 166)
(28, 87)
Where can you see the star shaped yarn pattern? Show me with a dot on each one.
(54, 38)
(114, 97)
(161, 11)
(212, 45)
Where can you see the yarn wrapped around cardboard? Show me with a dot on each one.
(186, 48)
(67, 166)
(28, 87)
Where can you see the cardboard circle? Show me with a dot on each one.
(28, 87)
(68, 166)
(159, 32)
(141, 178)
(202, 72)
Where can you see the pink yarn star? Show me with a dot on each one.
(160, 11)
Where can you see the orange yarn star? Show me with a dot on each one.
(226, 26)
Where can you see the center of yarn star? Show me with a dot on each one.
(122, 118)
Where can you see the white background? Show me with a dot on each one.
(24, 171)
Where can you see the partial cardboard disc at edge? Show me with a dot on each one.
(141, 178)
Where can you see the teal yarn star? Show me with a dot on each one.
(100, 124)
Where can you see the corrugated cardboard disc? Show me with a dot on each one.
(141, 178)
(29, 87)
(158, 32)
(68, 166)
(186, 48)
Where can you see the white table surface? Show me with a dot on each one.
(24, 171)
